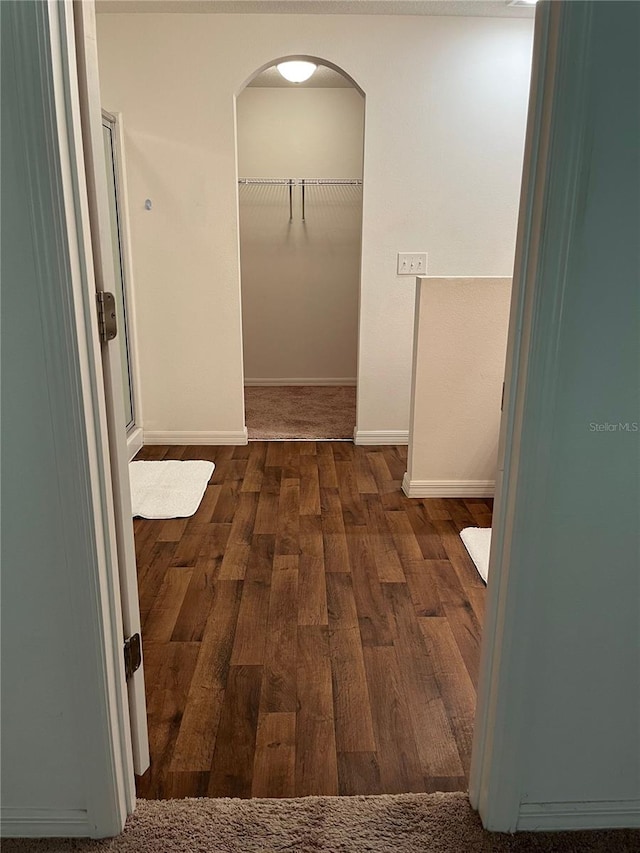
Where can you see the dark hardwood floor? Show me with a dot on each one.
(310, 630)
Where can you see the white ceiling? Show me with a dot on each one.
(323, 78)
(468, 8)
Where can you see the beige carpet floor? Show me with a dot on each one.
(300, 412)
(406, 823)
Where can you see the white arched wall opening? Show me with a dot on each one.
(318, 60)
(328, 359)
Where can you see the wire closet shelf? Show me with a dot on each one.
(302, 183)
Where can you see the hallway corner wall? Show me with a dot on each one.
(442, 164)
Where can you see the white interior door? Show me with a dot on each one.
(120, 283)
(113, 138)
(105, 272)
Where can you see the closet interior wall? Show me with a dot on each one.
(300, 279)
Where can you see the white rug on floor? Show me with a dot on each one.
(169, 488)
(477, 541)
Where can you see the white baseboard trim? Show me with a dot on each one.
(330, 380)
(44, 823)
(603, 814)
(375, 436)
(135, 441)
(196, 437)
(448, 488)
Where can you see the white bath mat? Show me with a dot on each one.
(477, 541)
(169, 488)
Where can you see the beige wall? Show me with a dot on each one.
(300, 280)
(446, 108)
(458, 369)
(297, 133)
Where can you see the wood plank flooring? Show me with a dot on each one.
(310, 630)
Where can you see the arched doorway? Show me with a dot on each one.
(300, 170)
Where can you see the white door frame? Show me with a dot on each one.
(86, 487)
(491, 756)
(85, 116)
(550, 206)
(492, 775)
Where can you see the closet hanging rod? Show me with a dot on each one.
(299, 181)
(279, 181)
(351, 182)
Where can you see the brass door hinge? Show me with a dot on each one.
(107, 320)
(132, 655)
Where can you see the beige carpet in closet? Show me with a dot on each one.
(303, 412)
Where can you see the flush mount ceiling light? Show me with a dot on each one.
(296, 71)
(521, 2)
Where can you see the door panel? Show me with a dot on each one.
(120, 283)
(103, 256)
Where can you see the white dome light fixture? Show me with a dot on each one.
(297, 70)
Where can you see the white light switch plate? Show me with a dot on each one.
(412, 263)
